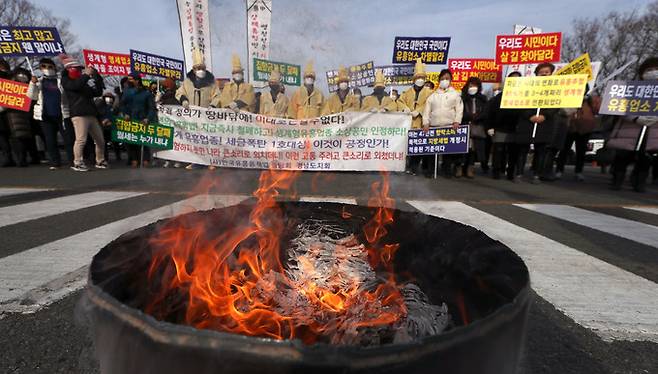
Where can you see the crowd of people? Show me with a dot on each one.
(75, 105)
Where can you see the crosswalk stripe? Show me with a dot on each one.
(25, 212)
(8, 191)
(650, 210)
(624, 228)
(612, 302)
(24, 272)
(327, 199)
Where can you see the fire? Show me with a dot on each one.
(227, 282)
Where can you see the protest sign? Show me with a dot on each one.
(528, 49)
(16, 41)
(565, 91)
(440, 140)
(137, 133)
(526, 70)
(107, 63)
(431, 50)
(484, 68)
(344, 141)
(290, 74)
(360, 76)
(580, 65)
(14, 95)
(150, 64)
(397, 75)
(194, 22)
(259, 25)
(630, 98)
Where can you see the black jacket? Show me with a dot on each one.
(19, 123)
(80, 93)
(545, 131)
(501, 120)
(169, 98)
(479, 117)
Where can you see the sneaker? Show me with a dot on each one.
(580, 177)
(518, 179)
(53, 168)
(535, 180)
(177, 165)
(189, 167)
(102, 165)
(166, 164)
(80, 167)
(558, 175)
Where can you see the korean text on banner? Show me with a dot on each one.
(564, 91)
(194, 20)
(580, 65)
(632, 98)
(159, 66)
(107, 63)
(528, 49)
(484, 68)
(430, 49)
(14, 95)
(137, 133)
(439, 140)
(526, 70)
(16, 41)
(259, 26)
(344, 141)
(360, 76)
(397, 75)
(290, 74)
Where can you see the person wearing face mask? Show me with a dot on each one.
(379, 101)
(501, 126)
(444, 107)
(308, 100)
(635, 139)
(168, 97)
(341, 100)
(475, 116)
(18, 121)
(51, 111)
(107, 111)
(238, 95)
(198, 88)
(6, 157)
(413, 101)
(138, 104)
(274, 103)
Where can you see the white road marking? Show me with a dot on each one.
(612, 302)
(35, 277)
(328, 199)
(625, 228)
(38, 209)
(649, 210)
(8, 191)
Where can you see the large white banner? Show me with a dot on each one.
(194, 19)
(344, 141)
(259, 26)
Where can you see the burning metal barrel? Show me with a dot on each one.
(307, 288)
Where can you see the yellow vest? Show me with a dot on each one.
(333, 104)
(371, 102)
(302, 105)
(244, 93)
(272, 109)
(408, 99)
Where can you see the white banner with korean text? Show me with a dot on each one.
(259, 29)
(194, 17)
(344, 141)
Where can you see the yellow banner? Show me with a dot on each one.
(434, 78)
(564, 91)
(581, 65)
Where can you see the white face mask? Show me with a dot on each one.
(48, 72)
(650, 75)
(108, 100)
(496, 92)
(200, 74)
(343, 86)
(309, 81)
(420, 82)
(238, 77)
(444, 83)
(472, 90)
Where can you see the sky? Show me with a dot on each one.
(331, 33)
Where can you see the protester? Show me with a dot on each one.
(379, 101)
(430, 85)
(18, 121)
(107, 111)
(274, 103)
(395, 96)
(51, 110)
(138, 104)
(501, 127)
(81, 86)
(413, 101)
(341, 100)
(199, 86)
(634, 138)
(545, 121)
(6, 157)
(168, 97)
(475, 116)
(356, 91)
(308, 100)
(238, 95)
(444, 107)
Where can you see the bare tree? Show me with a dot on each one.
(615, 39)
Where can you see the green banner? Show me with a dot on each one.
(151, 135)
(290, 74)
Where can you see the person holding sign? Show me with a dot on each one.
(341, 100)
(475, 116)
(138, 104)
(308, 100)
(20, 127)
(238, 95)
(5, 148)
(501, 127)
(413, 101)
(199, 86)
(379, 101)
(275, 103)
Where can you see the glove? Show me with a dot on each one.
(405, 110)
(186, 104)
(646, 120)
(158, 96)
(373, 110)
(491, 132)
(233, 105)
(415, 113)
(383, 111)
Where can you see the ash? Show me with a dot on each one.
(323, 256)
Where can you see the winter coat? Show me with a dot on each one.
(302, 105)
(627, 130)
(199, 92)
(333, 104)
(408, 100)
(443, 108)
(35, 93)
(372, 102)
(501, 120)
(242, 94)
(80, 93)
(169, 98)
(270, 108)
(476, 119)
(139, 104)
(545, 131)
(19, 124)
(583, 120)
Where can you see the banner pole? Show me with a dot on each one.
(436, 164)
(534, 129)
(141, 156)
(29, 64)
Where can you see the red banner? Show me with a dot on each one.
(484, 68)
(14, 95)
(528, 49)
(107, 63)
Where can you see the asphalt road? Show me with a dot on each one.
(609, 237)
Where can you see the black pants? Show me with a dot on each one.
(6, 156)
(134, 153)
(581, 147)
(538, 159)
(640, 172)
(20, 148)
(504, 159)
(107, 135)
(50, 127)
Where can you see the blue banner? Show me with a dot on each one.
(158, 66)
(430, 49)
(16, 41)
(630, 98)
(438, 140)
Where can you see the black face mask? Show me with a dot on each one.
(378, 90)
(4, 74)
(275, 88)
